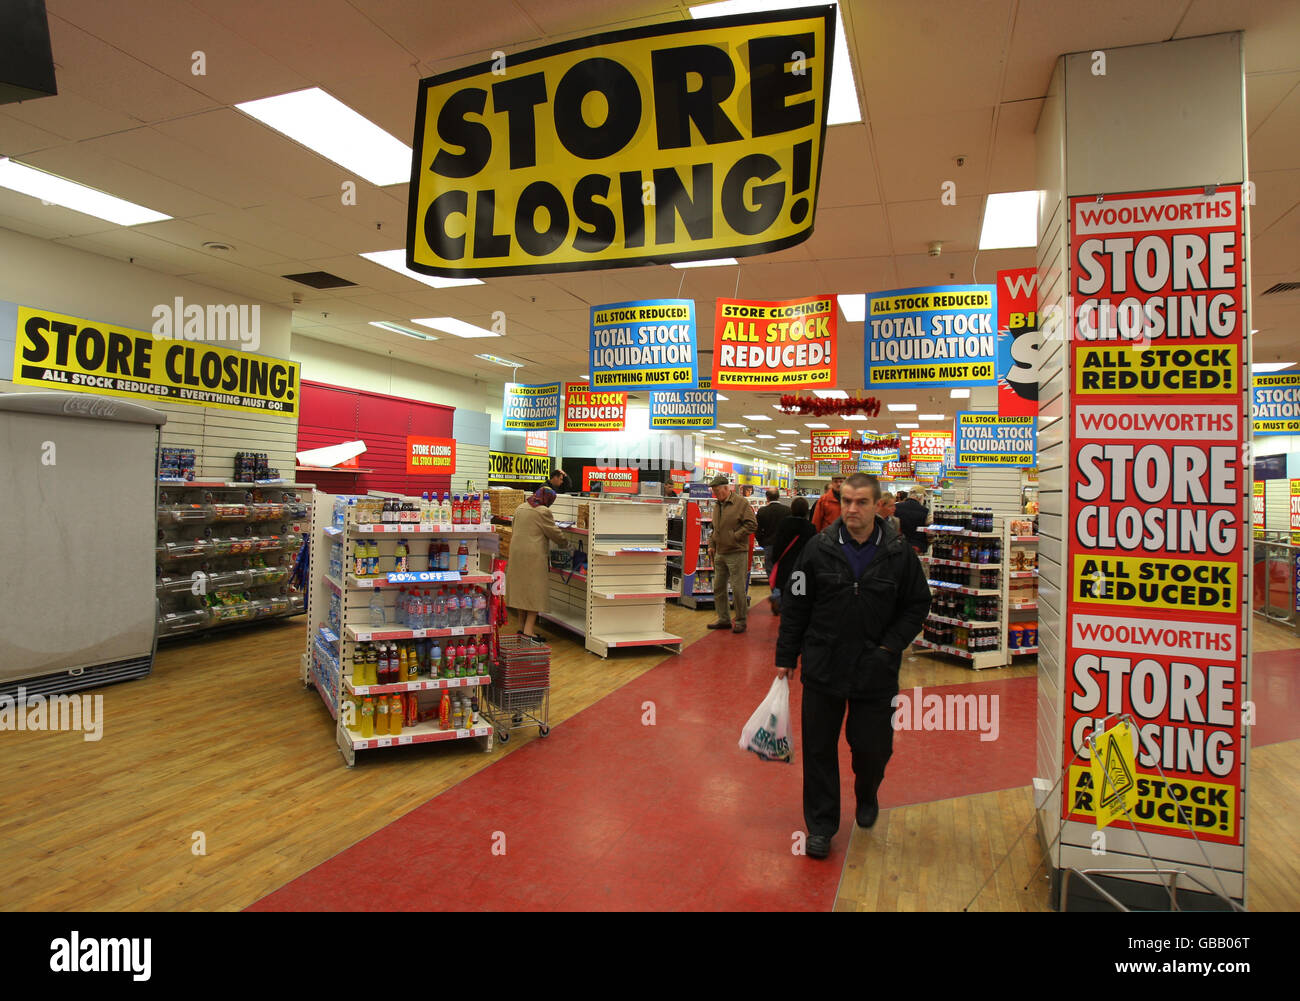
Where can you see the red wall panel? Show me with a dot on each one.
(332, 415)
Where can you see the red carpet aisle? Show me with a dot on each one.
(609, 814)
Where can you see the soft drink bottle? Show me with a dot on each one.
(457, 510)
(462, 660)
(476, 512)
(446, 509)
(485, 512)
(435, 659)
(462, 558)
(482, 653)
(444, 712)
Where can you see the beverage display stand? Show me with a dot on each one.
(225, 552)
(341, 619)
(1020, 585)
(619, 600)
(965, 585)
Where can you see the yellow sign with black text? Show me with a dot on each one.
(1183, 585)
(1114, 774)
(55, 351)
(511, 467)
(679, 141)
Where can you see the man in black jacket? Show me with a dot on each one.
(912, 514)
(856, 598)
(770, 516)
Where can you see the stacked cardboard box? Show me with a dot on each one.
(505, 533)
(505, 500)
(584, 516)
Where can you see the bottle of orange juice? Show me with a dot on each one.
(359, 666)
(354, 703)
(395, 715)
(368, 717)
(381, 716)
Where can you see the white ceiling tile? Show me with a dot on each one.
(917, 154)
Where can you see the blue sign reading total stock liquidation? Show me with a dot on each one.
(989, 439)
(935, 337)
(684, 408)
(647, 344)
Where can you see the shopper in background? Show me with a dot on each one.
(912, 514)
(787, 543)
(827, 508)
(527, 585)
(733, 524)
(770, 517)
(888, 505)
(559, 481)
(863, 599)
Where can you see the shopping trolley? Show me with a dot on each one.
(520, 693)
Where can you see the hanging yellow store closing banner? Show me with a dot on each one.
(85, 356)
(667, 142)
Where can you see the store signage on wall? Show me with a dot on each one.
(588, 409)
(679, 478)
(935, 337)
(774, 345)
(614, 480)
(831, 444)
(684, 408)
(686, 140)
(1156, 535)
(805, 469)
(929, 446)
(76, 355)
(511, 467)
(648, 344)
(985, 439)
(898, 470)
(1019, 342)
(1275, 403)
(430, 456)
(531, 408)
(536, 443)
(1295, 513)
(1258, 509)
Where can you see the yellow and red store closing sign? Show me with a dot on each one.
(430, 456)
(831, 444)
(1156, 541)
(613, 480)
(55, 351)
(1295, 516)
(774, 345)
(1257, 508)
(929, 446)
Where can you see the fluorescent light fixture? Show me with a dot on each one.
(395, 260)
(756, 417)
(844, 95)
(1270, 366)
(455, 327)
(719, 396)
(894, 407)
(815, 425)
(1010, 220)
(931, 417)
(397, 328)
(505, 362)
(853, 306)
(902, 426)
(744, 441)
(721, 262)
(327, 126)
(830, 394)
(959, 394)
(733, 425)
(585, 378)
(785, 431)
(857, 417)
(71, 195)
(805, 441)
(764, 436)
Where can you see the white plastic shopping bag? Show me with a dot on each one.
(767, 733)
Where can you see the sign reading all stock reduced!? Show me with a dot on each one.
(931, 338)
(1157, 536)
(774, 345)
(666, 142)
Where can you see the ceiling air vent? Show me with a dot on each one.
(319, 279)
(1281, 288)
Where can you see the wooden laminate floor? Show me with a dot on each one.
(217, 780)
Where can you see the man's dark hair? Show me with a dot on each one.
(901, 495)
(859, 480)
(799, 507)
(773, 495)
(560, 473)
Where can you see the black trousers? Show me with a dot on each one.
(870, 733)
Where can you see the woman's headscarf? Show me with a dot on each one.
(543, 497)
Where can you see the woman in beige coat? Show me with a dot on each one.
(527, 586)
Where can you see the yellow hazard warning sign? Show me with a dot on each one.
(1114, 774)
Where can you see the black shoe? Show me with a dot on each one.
(819, 846)
(738, 627)
(718, 625)
(867, 814)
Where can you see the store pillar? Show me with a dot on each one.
(1143, 490)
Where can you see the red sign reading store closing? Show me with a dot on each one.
(615, 480)
(1157, 494)
(430, 456)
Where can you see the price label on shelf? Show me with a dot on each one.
(384, 742)
(458, 630)
(640, 549)
(405, 740)
(453, 682)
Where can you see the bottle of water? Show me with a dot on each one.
(480, 607)
(453, 609)
(376, 609)
(440, 610)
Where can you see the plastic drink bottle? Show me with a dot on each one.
(446, 509)
(478, 509)
(381, 716)
(368, 717)
(482, 657)
(376, 609)
(444, 711)
(435, 659)
(462, 661)
(395, 715)
(485, 512)
(359, 561)
(462, 558)
(480, 607)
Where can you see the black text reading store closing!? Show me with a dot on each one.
(666, 142)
